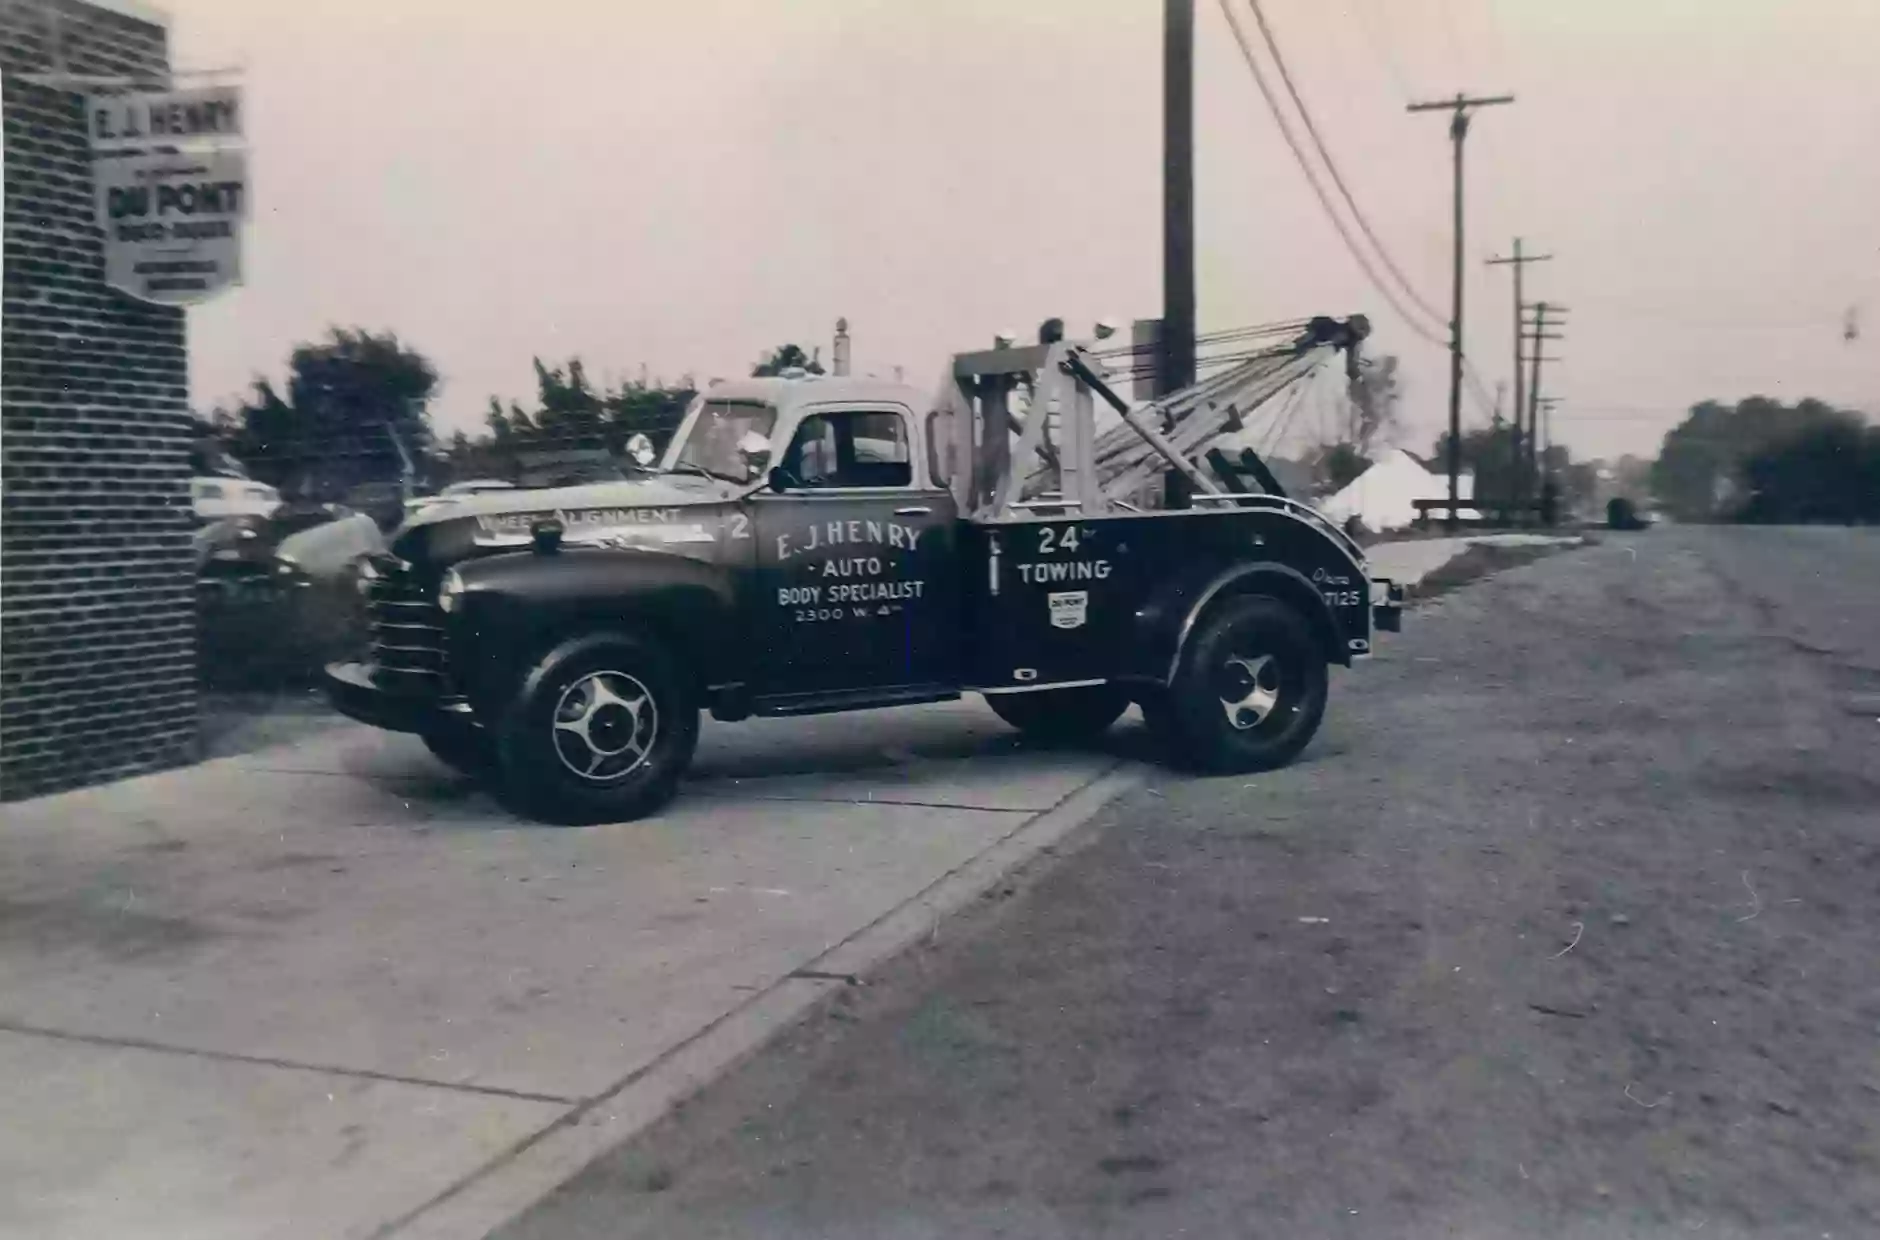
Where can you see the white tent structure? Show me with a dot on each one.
(1382, 495)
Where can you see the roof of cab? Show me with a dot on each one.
(786, 394)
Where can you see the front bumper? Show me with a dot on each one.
(1386, 605)
(353, 693)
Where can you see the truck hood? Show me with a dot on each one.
(654, 511)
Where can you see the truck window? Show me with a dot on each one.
(940, 447)
(861, 448)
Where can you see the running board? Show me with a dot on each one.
(784, 705)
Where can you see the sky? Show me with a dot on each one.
(682, 186)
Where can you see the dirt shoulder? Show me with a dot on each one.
(1560, 929)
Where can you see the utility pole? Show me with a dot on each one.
(1545, 316)
(1175, 360)
(1518, 260)
(1458, 131)
(1547, 420)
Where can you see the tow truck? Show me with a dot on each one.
(809, 544)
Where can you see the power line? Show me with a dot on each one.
(1305, 166)
(1331, 166)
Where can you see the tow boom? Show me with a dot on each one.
(983, 441)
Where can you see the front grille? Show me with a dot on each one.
(407, 628)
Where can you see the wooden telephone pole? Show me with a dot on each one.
(1459, 108)
(1546, 315)
(1518, 260)
(1175, 360)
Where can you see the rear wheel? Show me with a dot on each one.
(1249, 691)
(1062, 715)
(600, 731)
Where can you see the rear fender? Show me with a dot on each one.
(1163, 623)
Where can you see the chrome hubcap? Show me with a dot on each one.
(1253, 691)
(605, 725)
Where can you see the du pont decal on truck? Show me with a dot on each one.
(1069, 608)
(601, 526)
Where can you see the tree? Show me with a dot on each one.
(262, 433)
(355, 411)
(1699, 473)
(1828, 470)
(359, 385)
(783, 358)
(570, 415)
(1487, 455)
(1339, 466)
(652, 410)
(1374, 392)
(1576, 482)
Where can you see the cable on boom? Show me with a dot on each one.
(1331, 166)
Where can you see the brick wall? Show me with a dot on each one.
(97, 613)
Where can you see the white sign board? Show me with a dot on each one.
(212, 114)
(173, 224)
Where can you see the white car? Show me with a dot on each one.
(214, 498)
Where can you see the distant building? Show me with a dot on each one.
(1383, 496)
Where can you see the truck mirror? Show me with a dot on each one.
(779, 480)
(640, 448)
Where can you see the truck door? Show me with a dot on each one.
(856, 588)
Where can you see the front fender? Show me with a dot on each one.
(1162, 624)
(515, 607)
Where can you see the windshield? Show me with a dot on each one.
(712, 444)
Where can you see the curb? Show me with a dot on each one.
(502, 1189)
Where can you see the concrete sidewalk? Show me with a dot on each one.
(1411, 560)
(332, 990)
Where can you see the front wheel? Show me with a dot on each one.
(1249, 691)
(600, 730)
(1062, 715)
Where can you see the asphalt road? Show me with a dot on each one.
(1566, 926)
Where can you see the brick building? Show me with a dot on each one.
(97, 612)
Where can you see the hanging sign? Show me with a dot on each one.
(173, 224)
(172, 191)
(170, 118)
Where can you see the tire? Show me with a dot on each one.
(1249, 691)
(599, 731)
(1062, 715)
(467, 750)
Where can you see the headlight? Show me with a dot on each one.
(450, 591)
(363, 579)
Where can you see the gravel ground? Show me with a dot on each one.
(1564, 927)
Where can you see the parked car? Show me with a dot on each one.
(214, 497)
(278, 595)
